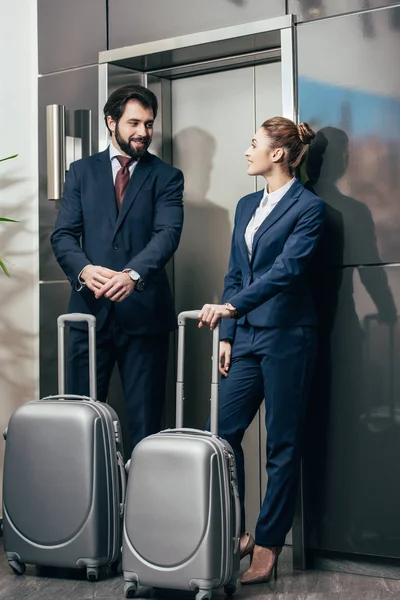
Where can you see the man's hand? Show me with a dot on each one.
(95, 276)
(119, 287)
(225, 352)
(212, 313)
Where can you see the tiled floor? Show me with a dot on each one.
(309, 585)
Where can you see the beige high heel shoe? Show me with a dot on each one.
(264, 565)
(247, 544)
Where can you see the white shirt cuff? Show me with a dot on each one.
(80, 284)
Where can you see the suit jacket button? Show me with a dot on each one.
(115, 247)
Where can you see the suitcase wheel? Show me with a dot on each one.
(130, 589)
(17, 567)
(93, 573)
(230, 589)
(204, 595)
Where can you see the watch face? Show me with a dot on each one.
(134, 276)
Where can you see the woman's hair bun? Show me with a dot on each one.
(306, 134)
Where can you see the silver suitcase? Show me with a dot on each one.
(182, 514)
(64, 477)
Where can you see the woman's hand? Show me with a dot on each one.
(212, 313)
(225, 352)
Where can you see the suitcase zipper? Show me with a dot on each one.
(233, 489)
(113, 431)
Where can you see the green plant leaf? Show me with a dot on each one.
(8, 220)
(3, 266)
(8, 157)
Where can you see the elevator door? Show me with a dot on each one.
(214, 117)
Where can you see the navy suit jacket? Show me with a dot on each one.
(272, 289)
(143, 236)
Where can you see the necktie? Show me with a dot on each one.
(122, 178)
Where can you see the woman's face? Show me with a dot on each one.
(261, 159)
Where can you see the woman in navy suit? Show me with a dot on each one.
(268, 328)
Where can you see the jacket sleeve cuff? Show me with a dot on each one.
(228, 329)
(138, 268)
(236, 302)
(80, 284)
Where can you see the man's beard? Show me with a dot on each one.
(130, 150)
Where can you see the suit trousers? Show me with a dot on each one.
(275, 364)
(142, 363)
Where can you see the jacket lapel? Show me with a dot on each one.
(139, 176)
(248, 211)
(106, 185)
(280, 209)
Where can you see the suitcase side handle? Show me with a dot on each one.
(122, 477)
(67, 397)
(180, 396)
(77, 318)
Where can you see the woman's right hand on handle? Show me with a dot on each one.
(225, 352)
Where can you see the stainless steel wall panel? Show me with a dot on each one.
(350, 92)
(131, 23)
(77, 90)
(307, 10)
(70, 34)
(352, 472)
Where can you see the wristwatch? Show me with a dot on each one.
(139, 283)
(233, 312)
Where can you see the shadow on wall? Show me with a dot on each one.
(201, 261)
(17, 344)
(18, 337)
(339, 461)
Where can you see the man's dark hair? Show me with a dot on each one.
(116, 103)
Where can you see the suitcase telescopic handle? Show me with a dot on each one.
(77, 318)
(183, 317)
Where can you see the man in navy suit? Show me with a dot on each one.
(119, 223)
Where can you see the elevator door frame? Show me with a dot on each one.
(156, 64)
(218, 49)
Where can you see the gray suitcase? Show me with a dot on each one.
(64, 477)
(182, 514)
